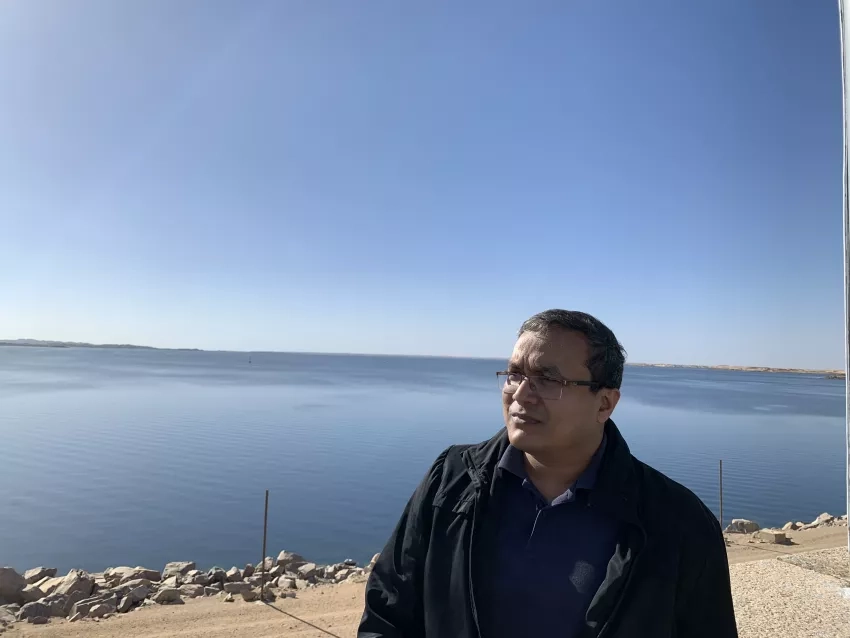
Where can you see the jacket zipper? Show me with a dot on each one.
(610, 622)
(470, 567)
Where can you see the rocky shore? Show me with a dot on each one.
(779, 536)
(38, 594)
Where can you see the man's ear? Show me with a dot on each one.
(608, 400)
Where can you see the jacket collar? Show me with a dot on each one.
(615, 490)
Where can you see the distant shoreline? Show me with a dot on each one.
(37, 343)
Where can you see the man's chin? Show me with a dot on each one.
(526, 437)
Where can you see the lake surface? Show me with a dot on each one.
(126, 457)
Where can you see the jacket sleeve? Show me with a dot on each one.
(705, 607)
(394, 606)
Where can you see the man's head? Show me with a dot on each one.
(562, 345)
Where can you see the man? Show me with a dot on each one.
(552, 527)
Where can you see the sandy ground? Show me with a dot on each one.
(773, 598)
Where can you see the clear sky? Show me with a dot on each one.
(401, 177)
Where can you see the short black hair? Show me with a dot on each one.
(607, 355)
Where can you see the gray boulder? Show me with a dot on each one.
(56, 604)
(236, 588)
(167, 595)
(32, 576)
(234, 575)
(349, 562)
(101, 609)
(248, 571)
(33, 610)
(284, 559)
(286, 583)
(120, 575)
(217, 575)
(254, 581)
(742, 526)
(301, 584)
(11, 585)
(70, 601)
(31, 593)
(342, 574)
(373, 561)
(85, 605)
(38, 620)
(76, 580)
(75, 618)
(138, 594)
(130, 585)
(196, 577)
(250, 595)
(211, 591)
(192, 591)
(125, 605)
(178, 568)
(307, 571)
(172, 582)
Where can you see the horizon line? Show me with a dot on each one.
(49, 343)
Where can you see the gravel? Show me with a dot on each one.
(774, 598)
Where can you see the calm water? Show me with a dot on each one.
(125, 457)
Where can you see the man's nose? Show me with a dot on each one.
(525, 393)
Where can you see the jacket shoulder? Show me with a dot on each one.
(670, 505)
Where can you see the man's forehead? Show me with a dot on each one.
(555, 349)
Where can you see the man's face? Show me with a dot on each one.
(546, 426)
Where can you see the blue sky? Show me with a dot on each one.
(421, 177)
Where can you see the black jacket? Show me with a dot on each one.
(669, 575)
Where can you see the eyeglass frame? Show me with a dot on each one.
(565, 383)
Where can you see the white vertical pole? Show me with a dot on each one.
(844, 23)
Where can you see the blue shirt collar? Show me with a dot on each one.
(513, 461)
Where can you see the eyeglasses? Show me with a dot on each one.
(544, 387)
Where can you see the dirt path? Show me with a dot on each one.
(772, 598)
(742, 551)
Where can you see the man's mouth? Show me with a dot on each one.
(523, 419)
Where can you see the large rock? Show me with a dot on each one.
(31, 593)
(342, 574)
(307, 571)
(250, 595)
(38, 620)
(84, 606)
(56, 604)
(125, 605)
(196, 577)
(790, 526)
(824, 519)
(234, 575)
(11, 585)
(265, 565)
(167, 595)
(248, 571)
(178, 568)
(48, 585)
(101, 609)
(130, 585)
(120, 575)
(217, 575)
(172, 582)
(138, 594)
(32, 576)
(373, 562)
(286, 583)
(70, 601)
(76, 580)
(211, 591)
(771, 536)
(236, 588)
(33, 610)
(285, 559)
(192, 591)
(742, 526)
(254, 581)
(7, 617)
